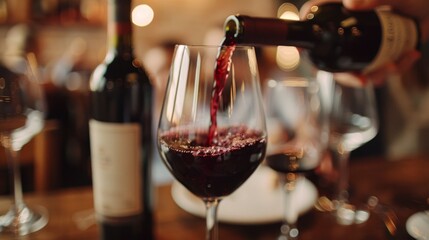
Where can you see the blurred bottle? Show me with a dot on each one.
(120, 134)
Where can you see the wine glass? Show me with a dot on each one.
(295, 144)
(22, 110)
(212, 133)
(353, 122)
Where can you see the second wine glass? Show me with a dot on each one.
(212, 133)
(22, 111)
(353, 122)
(295, 146)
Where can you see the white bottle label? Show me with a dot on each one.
(116, 168)
(399, 35)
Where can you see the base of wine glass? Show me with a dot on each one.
(288, 233)
(347, 214)
(25, 221)
(418, 225)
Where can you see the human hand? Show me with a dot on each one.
(416, 9)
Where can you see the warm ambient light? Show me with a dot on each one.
(288, 11)
(288, 58)
(142, 15)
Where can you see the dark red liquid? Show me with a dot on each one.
(214, 170)
(290, 163)
(223, 65)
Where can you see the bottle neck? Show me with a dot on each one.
(241, 29)
(119, 26)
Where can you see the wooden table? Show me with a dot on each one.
(403, 185)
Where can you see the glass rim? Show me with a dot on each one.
(209, 46)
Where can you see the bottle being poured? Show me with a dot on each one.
(336, 39)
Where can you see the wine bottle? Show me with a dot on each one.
(336, 39)
(120, 135)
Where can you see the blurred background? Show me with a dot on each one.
(69, 40)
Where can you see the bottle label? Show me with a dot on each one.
(399, 35)
(116, 168)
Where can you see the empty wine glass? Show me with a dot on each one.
(353, 122)
(212, 133)
(22, 110)
(295, 143)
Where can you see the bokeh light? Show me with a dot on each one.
(287, 58)
(142, 15)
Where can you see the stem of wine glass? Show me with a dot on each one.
(344, 212)
(15, 177)
(18, 202)
(343, 178)
(211, 218)
(289, 230)
(19, 220)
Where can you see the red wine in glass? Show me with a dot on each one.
(291, 163)
(217, 169)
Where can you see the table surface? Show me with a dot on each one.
(402, 184)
